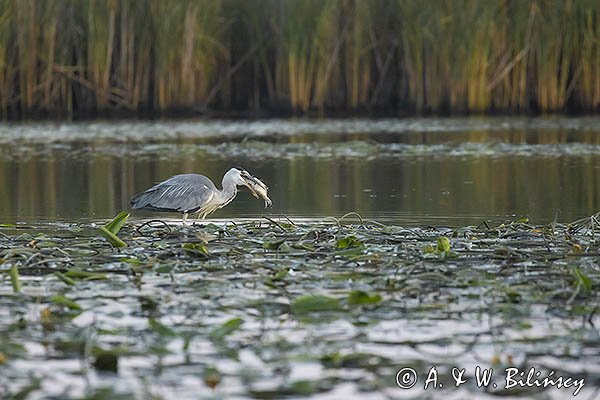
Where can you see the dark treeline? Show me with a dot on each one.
(76, 58)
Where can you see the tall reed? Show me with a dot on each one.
(90, 57)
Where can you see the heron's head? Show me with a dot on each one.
(240, 177)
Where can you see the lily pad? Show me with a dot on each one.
(315, 303)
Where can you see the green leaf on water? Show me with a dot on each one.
(163, 269)
(117, 223)
(132, 261)
(80, 274)
(65, 301)
(111, 237)
(348, 242)
(64, 278)
(443, 245)
(429, 249)
(441, 248)
(304, 387)
(198, 249)
(357, 297)
(159, 328)
(14, 278)
(273, 245)
(227, 328)
(212, 227)
(512, 295)
(583, 280)
(315, 303)
(279, 275)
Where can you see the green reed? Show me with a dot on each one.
(70, 58)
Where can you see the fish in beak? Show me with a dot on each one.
(257, 188)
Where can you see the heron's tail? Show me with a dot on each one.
(137, 201)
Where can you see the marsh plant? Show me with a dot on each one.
(82, 57)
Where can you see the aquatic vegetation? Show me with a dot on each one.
(110, 230)
(284, 307)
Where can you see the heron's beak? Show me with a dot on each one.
(249, 182)
(249, 186)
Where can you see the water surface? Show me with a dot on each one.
(443, 171)
(168, 311)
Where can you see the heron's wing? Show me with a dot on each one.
(180, 193)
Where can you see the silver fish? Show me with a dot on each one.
(259, 189)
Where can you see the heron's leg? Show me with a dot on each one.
(185, 216)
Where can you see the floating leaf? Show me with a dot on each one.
(357, 297)
(304, 387)
(65, 301)
(512, 295)
(64, 278)
(227, 328)
(441, 248)
(159, 328)
(163, 269)
(348, 242)
(315, 303)
(117, 223)
(429, 249)
(198, 249)
(273, 245)
(80, 274)
(132, 261)
(443, 245)
(279, 275)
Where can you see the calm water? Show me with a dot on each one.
(442, 171)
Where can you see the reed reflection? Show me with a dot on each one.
(99, 185)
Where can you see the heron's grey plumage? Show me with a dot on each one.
(189, 193)
(185, 193)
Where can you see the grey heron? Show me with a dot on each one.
(190, 193)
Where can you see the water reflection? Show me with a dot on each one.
(447, 176)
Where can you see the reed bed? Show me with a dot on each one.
(90, 57)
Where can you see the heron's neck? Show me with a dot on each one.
(229, 191)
